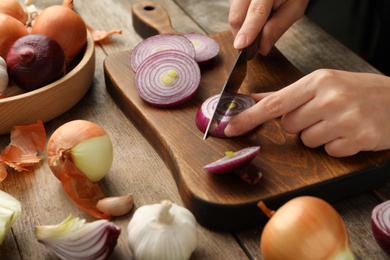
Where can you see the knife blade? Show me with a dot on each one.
(233, 83)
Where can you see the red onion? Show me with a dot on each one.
(237, 163)
(34, 61)
(240, 103)
(159, 43)
(206, 48)
(167, 78)
(380, 220)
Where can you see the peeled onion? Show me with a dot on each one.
(305, 228)
(206, 48)
(160, 43)
(380, 220)
(240, 103)
(34, 61)
(167, 78)
(85, 144)
(10, 30)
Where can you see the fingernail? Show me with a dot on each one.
(232, 129)
(240, 42)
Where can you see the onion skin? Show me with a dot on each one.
(305, 228)
(380, 222)
(66, 137)
(10, 30)
(63, 25)
(13, 8)
(34, 61)
(217, 128)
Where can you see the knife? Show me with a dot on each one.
(234, 81)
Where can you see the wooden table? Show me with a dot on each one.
(137, 168)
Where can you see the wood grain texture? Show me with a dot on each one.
(289, 168)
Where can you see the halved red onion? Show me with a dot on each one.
(239, 104)
(167, 78)
(380, 220)
(159, 43)
(206, 48)
(237, 163)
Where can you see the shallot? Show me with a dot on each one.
(240, 103)
(380, 221)
(167, 78)
(206, 48)
(160, 43)
(10, 30)
(237, 163)
(74, 239)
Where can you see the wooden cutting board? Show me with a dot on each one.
(289, 168)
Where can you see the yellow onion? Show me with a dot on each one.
(305, 228)
(63, 25)
(14, 9)
(85, 144)
(10, 30)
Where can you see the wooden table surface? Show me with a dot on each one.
(137, 168)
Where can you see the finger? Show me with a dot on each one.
(341, 147)
(272, 106)
(319, 134)
(259, 96)
(237, 14)
(287, 14)
(256, 17)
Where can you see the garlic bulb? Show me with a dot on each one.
(3, 75)
(163, 231)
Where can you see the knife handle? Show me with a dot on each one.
(252, 49)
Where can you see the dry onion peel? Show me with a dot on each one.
(380, 222)
(305, 228)
(81, 191)
(63, 25)
(22, 150)
(74, 239)
(98, 35)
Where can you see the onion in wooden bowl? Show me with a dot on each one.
(52, 100)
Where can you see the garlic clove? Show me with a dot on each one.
(116, 206)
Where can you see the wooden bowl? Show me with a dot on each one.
(52, 100)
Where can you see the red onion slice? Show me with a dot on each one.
(206, 48)
(167, 78)
(159, 43)
(240, 103)
(380, 220)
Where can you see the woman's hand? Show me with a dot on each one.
(345, 111)
(248, 17)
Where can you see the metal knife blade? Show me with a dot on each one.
(233, 83)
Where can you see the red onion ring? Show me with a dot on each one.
(230, 164)
(167, 78)
(241, 102)
(159, 43)
(206, 48)
(380, 220)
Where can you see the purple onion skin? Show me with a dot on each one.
(381, 226)
(34, 61)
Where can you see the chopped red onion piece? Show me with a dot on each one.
(159, 43)
(206, 48)
(380, 220)
(241, 102)
(167, 78)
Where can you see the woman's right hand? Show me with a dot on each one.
(248, 17)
